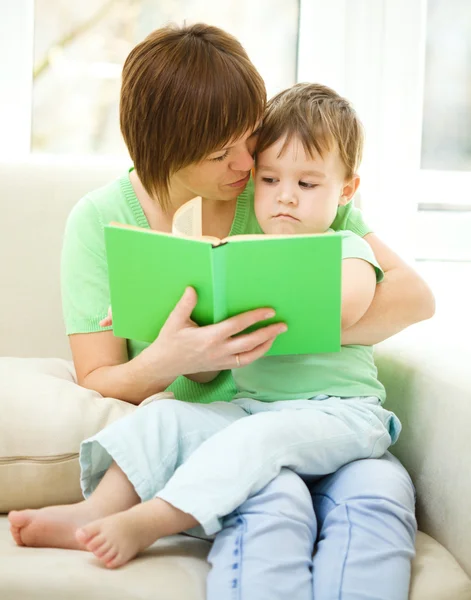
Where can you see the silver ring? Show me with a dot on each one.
(237, 360)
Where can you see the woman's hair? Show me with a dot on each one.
(186, 92)
(320, 118)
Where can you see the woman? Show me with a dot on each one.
(190, 106)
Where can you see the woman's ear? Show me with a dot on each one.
(349, 190)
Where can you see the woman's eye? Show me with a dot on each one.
(306, 185)
(268, 179)
(222, 157)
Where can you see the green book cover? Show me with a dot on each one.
(298, 276)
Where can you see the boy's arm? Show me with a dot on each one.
(358, 289)
(203, 377)
(402, 299)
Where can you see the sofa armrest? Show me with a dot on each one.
(428, 386)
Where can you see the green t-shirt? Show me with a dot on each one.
(348, 373)
(84, 272)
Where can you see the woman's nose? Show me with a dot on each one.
(243, 161)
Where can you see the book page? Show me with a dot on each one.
(188, 219)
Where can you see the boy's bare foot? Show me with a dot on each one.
(118, 538)
(51, 527)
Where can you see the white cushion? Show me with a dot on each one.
(45, 416)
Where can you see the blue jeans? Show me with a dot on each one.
(360, 520)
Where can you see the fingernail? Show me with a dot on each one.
(283, 329)
(270, 314)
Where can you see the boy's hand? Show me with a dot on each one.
(108, 320)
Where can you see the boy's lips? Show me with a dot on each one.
(240, 182)
(285, 217)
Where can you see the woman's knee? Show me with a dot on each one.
(382, 478)
(286, 494)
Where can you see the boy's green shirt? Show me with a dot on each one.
(348, 373)
(84, 273)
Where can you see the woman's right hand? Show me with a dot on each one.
(183, 347)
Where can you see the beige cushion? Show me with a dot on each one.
(174, 569)
(435, 573)
(45, 416)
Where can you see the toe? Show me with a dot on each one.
(86, 534)
(109, 556)
(20, 518)
(117, 561)
(102, 550)
(96, 542)
(15, 532)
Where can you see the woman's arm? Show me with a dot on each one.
(358, 289)
(198, 377)
(102, 364)
(402, 299)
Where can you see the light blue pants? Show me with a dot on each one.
(365, 524)
(206, 460)
(361, 519)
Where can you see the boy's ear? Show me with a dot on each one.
(349, 190)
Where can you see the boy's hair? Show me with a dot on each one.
(319, 117)
(186, 92)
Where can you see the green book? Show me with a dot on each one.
(298, 276)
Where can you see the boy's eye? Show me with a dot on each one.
(268, 179)
(306, 185)
(222, 157)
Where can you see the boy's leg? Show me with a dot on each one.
(147, 445)
(151, 443)
(316, 438)
(264, 551)
(367, 530)
(55, 526)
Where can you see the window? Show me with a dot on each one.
(79, 50)
(445, 170)
(446, 134)
(406, 66)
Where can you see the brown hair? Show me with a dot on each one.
(319, 117)
(186, 92)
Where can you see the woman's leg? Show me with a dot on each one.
(264, 551)
(367, 528)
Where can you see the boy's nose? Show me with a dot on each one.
(286, 197)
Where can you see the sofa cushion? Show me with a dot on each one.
(174, 568)
(45, 416)
(436, 575)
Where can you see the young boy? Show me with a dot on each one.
(184, 465)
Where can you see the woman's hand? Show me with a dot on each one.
(183, 347)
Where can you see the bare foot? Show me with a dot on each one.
(118, 538)
(51, 527)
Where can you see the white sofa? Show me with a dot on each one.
(45, 414)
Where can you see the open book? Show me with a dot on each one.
(299, 276)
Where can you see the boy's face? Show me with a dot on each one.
(296, 194)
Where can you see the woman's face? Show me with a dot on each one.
(223, 175)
